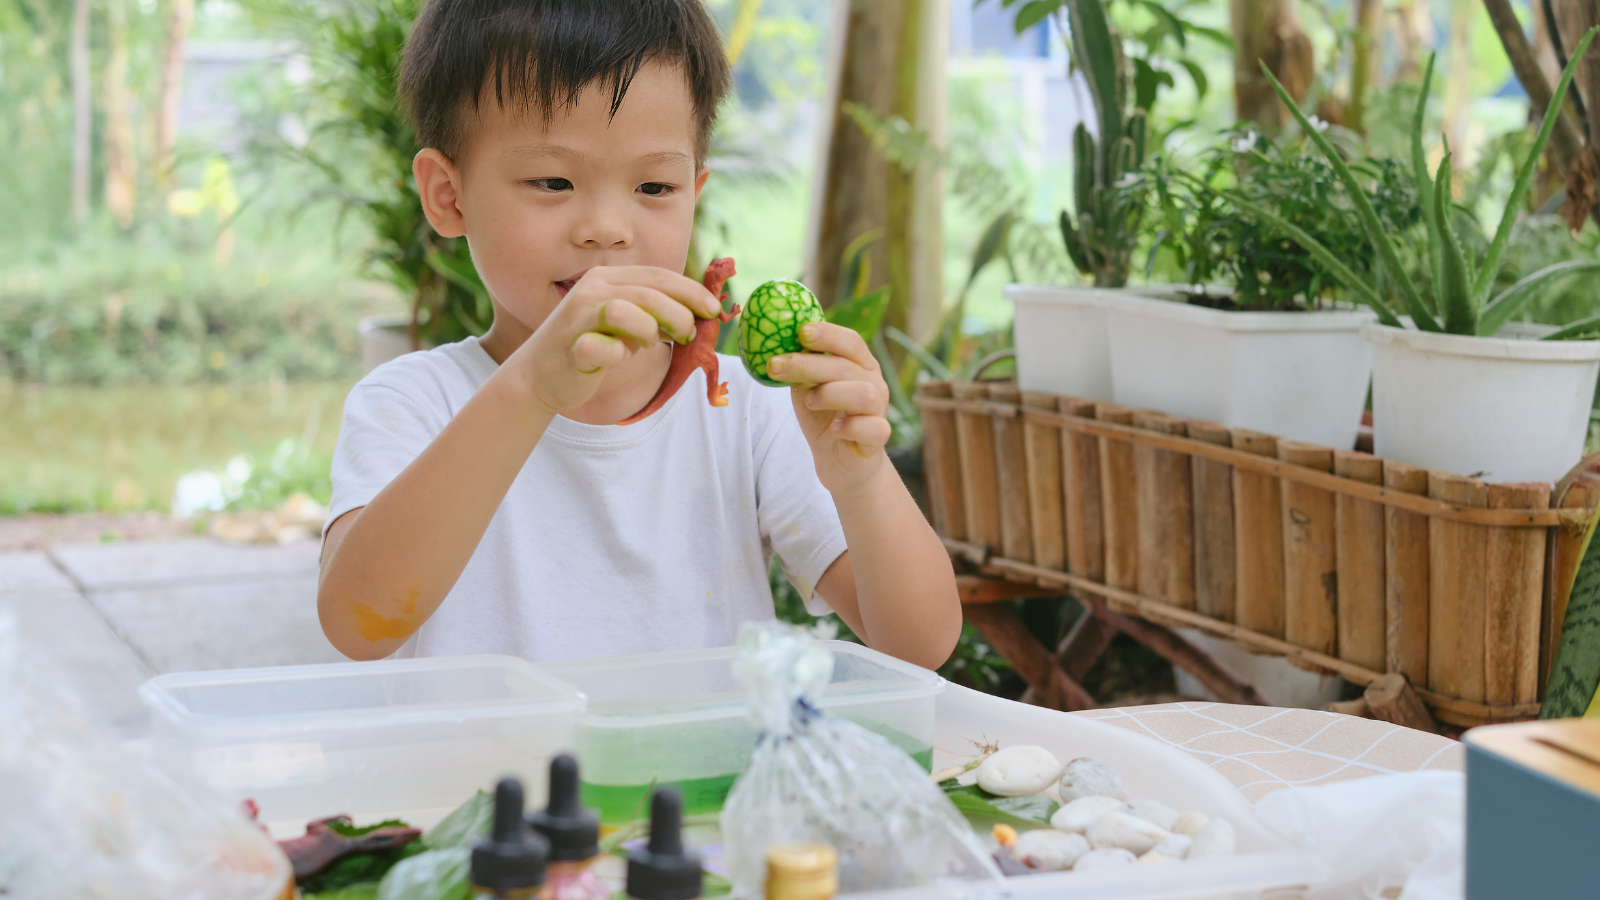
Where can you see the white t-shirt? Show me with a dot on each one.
(613, 539)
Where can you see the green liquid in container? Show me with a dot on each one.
(620, 804)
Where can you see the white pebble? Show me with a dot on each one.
(1155, 859)
(1215, 839)
(1175, 847)
(1085, 777)
(1189, 823)
(1109, 858)
(1155, 811)
(1018, 771)
(1131, 833)
(1081, 813)
(1049, 850)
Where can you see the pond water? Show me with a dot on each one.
(124, 448)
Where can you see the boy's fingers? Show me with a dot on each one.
(869, 434)
(675, 319)
(685, 290)
(856, 398)
(620, 318)
(815, 368)
(593, 351)
(826, 337)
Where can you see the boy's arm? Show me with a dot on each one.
(895, 586)
(388, 565)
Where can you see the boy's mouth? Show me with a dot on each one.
(565, 284)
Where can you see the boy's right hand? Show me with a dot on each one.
(610, 314)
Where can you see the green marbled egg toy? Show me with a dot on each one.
(770, 324)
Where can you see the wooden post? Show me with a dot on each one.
(1011, 460)
(1214, 562)
(942, 458)
(1456, 595)
(1360, 554)
(1310, 572)
(1391, 699)
(1258, 529)
(1037, 665)
(1080, 460)
(1513, 588)
(979, 482)
(1406, 591)
(1566, 553)
(1043, 446)
(1120, 498)
(1165, 494)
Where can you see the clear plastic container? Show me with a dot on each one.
(679, 718)
(405, 738)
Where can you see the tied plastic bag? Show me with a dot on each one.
(81, 817)
(814, 777)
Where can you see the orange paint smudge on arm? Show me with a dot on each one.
(375, 626)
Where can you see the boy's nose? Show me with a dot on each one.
(603, 226)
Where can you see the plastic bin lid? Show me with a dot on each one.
(698, 685)
(337, 696)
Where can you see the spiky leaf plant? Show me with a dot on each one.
(1460, 283)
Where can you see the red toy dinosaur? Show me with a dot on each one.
(700, 353)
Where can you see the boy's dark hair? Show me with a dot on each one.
(540, 54)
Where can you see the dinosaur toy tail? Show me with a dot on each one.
(700, 353)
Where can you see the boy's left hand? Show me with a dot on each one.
(842, 403)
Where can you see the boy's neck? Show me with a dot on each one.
(624, 391)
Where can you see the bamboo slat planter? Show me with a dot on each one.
(1342, 562)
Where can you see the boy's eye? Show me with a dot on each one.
(554, 185)
(655, 188)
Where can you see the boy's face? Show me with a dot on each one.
(541, 204)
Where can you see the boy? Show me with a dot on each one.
(484, 500)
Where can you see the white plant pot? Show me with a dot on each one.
(383, 337)
(1297, 375)
(1506, 408)
(1060, 336)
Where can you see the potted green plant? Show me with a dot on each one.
(1275, 348)
(1453, 389)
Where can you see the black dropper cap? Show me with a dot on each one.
(512, 857)
(661, 870)
(572, 830)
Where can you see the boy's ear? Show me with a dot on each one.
(700, 180)
(438, 183)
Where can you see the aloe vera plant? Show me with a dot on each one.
(1461, 284)
(1101, 241)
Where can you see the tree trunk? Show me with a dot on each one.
(121, 183)
(1268, 31)
(1368, 41)
(888, 57)
(82, 120)
(1564, 141)
(1574, 18)
(171, 91)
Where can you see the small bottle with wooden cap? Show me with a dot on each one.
(802, 872)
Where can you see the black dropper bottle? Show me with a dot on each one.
(572, 829)
(509, 863)
(662, 870)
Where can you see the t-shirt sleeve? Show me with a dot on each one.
(382, 432)
(797, 517)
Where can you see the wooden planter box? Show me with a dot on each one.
(1338, 560)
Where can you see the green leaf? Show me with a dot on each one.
(462, 828)
(1369, 218)
(1197, 74)
(364, 891)
(1034, 809)
(344, 829)
(1576, 673)
(980, 811)
(932, 363)
(1035, 12)
(435, 875)
(1583, 328)
(1147, 81)
(863, 314)
(1460, 314)
(1216, 36)
(1424, 181)
(1174, 24)
(1502, 235)
(1503, 307)
(989, 245)
(856, 272)
(1322, 254)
